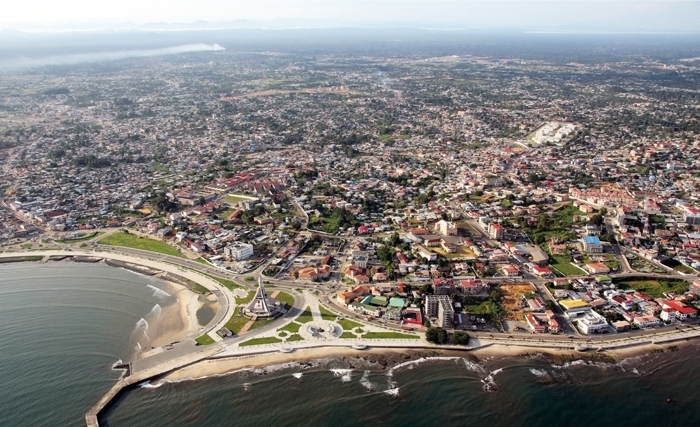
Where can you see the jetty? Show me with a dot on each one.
(138, 377)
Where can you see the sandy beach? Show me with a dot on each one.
(179, 320)
(391, 356)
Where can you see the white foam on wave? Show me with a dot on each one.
(366, 383)
(413, 363)
(344, 374)
(297, 375)
(141, 326)
(472, 366)
(489, 382)
(158, 293)
(570, 364)
(539, 372)
(155, 312)
(246, 386)
(147, 384)
(274, 368)
(392, 392)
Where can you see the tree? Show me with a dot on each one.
(436, 335)
(596, 219)
(460, 338)
(296, 274)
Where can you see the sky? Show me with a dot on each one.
(558, 15)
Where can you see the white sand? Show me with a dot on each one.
(178, 320)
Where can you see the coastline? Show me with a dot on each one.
(390, 357)
(178, 320)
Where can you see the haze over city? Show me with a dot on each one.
(349, 213)
(562, 15)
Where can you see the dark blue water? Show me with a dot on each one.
(532, 391)
(64, 325)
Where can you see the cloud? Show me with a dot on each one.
(16, 63)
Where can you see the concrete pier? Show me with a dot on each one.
(141, 376)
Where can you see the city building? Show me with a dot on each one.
(238, 251)
(440, 307)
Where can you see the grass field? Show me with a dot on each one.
(348, 335)
(236, 323)
(247, 299)
(82, 239)
(295, 337)
(348, 324)
(653, 287)
(225, 282)
(326, 314)
(235, 198)
(205, 340)
(390, 335)
(285, 298)
(305, 317)
(676, 265)
(259, 341)
(565, 267)
(291, 327)
(136, 242)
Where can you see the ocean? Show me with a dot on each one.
(64, 325)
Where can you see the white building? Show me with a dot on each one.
(238, 251)
(440, 307)
(446, 228)
(591, 323)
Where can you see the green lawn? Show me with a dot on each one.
(295, 337)
(225, 282)
(348, 335)
(234, 198)
(327, 314)
(203, 261)
(259, 323)
(653, 287)
(348, 324)
(136, 242)
(291, 327)
(246, 300)
(258, 341)
(236, 323)
(562, 264)
(82, 239)
(285, 298)
(676, 265)
(205, 340)
(305, 317)
(389, 335)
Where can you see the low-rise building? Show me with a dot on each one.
(238, 251)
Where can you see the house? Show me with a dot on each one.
(592, 245)
(535, 324)
(349, 296)
(473, 287)
(510, 270)
(681, 311)
(443, 286)
(542, 271)
(597, 268)
(646, 321)
(425, 253)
